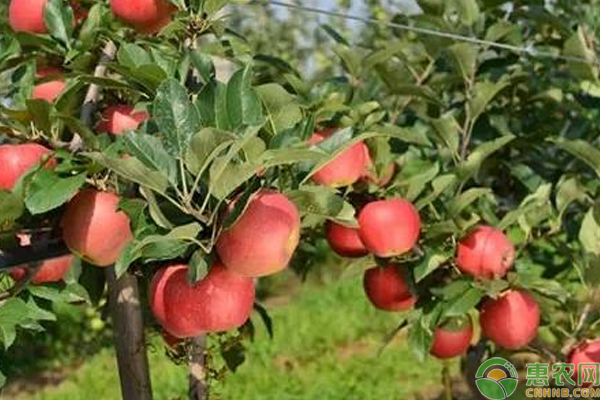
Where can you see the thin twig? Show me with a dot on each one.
(91, 98)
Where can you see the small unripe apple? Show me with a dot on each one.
(390, 227)
(17, 159)
(50, 90)
(449, 341)
(94, 228)
(220, 302)
(587, 352)
(145, 16)
(511, 321)
(120, 118)
(263, 239)
(344, 240)
(388, 289)
(53, 270)
(485, 253)
(27, 16)
(345, 169)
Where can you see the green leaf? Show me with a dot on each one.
(205, 146)
(439, 185)
(589, 233)
(322, 202)
(132, 56)
(428, 265)
(47, 190)
(40, 112)
(229, 178)
(2, 380)
(198, 266)
(272, 158)
(222, 179)
(266, 318)
(177, 118)
(471, 166)
(91, 25)
(283, 111)
(242, 103)
(154, 209)
(448, 131)
(420, 338)
(185, 232)
(133, 170)
(466, 198)
(468, 11)
(59, 20)
(203, 63)
(583, 150)
(463, 303)
(580, 45)
(568, 191)
(464, 56)
(128, 256)
(483, 93)
(11, 207)
(150, 151)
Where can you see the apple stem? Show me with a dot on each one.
(198, 373)
(129, 338)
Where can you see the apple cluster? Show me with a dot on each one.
(390, 228)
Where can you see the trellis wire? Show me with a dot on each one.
(430, 32)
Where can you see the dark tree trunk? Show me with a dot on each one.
(129, 339)
(198, 383)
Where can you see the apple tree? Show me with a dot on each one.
(159, 157)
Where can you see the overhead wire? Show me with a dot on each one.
(527, 50)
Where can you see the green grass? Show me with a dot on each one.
(325, 347)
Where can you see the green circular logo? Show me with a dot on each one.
(497, 383)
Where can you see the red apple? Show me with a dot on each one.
(145, 16)
(587, 352)
(389, 228)
(451, 341)
(120, 118)
(17, 159)
(511, 321)
(157, 289)
(220, 302)
(485, 253)
(27, 15)
(388, 288)
(94, 229)
(53, 270)
(344, 240)
(50, 90)
(347, 168)
(263, 240)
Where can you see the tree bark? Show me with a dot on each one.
(129, 339)
(197, 364)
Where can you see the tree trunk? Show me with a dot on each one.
(130, 343)
(198, 384)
